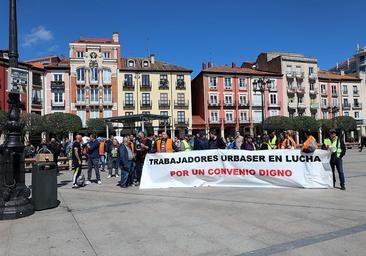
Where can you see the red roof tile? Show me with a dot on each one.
(198, 121)
(325, 75)
(238, 70)
(95, 41)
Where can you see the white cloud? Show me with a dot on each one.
(36, 35)
(53, 48)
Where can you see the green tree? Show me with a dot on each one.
(344, 123)
(325, 124)
(60, 124)
(96, 125)
(278, 123)
(33, 123)
(3, 118)
(302, 123)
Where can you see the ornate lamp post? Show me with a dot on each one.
(14, 194)
(261, 85)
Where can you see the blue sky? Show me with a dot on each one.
(190, 32)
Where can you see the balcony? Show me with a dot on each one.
(93, 82)
(146, 104)
(243, 104)
(80, 103)
(94, 102)
(58, 103)
(357, 106)
(106, 102)
(334, 94)
(244, 120)
(128, 85)
(213, 87)
(292, 105)
(345, 92)
(229, 104)
(314, 107)
(313, 77)
(145, 86)
(57, 85)
(301, 106)
(80, 81)
(290, 75)
(180, 84)
(325, 107)
(346, 106)
(213, 104)
(300, 91)
(164, 84)
(228, 87)
(229, 121)
(164, 104)
(274, 105)
(356, 93)
(129, 104)
(164, 122)
(37, 102)
(181, 122)
(272, 89)
(299, 75)
(291, 91)
(313, 92)
(215, 120)
(181, 104)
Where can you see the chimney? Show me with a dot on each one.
(233, 65)
(342, 72)
(348, 62)
(204, 66)
(115, 37)
(209, 64)
(152, 58)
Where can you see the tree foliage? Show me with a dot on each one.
(302, 123)
(96, 125)
(344, 123)
(60, 124)
(278, 123)
(3, 118)
(325, 124)
(33, 123)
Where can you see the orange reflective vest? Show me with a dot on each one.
(292, 142)
(168, 146)
(101, 148)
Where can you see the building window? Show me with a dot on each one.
(94, 74)
(164, 98)
(80, 94)
(229, 116)
(257, 116)
(272, 85)
(214, 116)
(243, 116)
(80, 74)
(322, 88)
(107, 113)
(36, 97)
(146, 99)
(273, 99)
(242, 100)
(289, 69)
(346, 113)
(57, 77)
(58, 95)
(181, 98)
(145, 64)
(229, 99)
(356, 103)
(289, 83)
(80, 54)
(128, 80)
(213, 99)
(300, 100)
(145, 80)
(131, 63)
(311, 70)
(106, 55)
(242, 84)
(213, 81)
(312, 86)
(345, 102)
(325, 115)
(357, 115)
(94, 113)
(94, 94)
(37, 79)
(273, 113)
(257, 100)
(298, 70)
(355, 90)
(108, 94)
(334, 89)
(227, 82)
(82, 115)
(334, 103)
(324, 102)
(345, 89)
(181, 116)
(107, 75)
(129, 99)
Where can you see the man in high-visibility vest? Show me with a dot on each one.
(185, 143)
(338, 149)
(273, 140)
(310, 144)
(165, 144)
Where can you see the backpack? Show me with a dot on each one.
(80, 181)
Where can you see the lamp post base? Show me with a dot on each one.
(15, 202)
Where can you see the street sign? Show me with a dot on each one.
(17, 80)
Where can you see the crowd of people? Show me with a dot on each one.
(125, 158)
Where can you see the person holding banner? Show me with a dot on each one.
(266, 143)
(338, 149)
(310, 144)
(165, 144)
(289, 142)
(142, 147)
(215, 142)
(248, 143)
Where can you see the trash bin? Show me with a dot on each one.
(44, 185)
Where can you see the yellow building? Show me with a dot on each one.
(148, 86)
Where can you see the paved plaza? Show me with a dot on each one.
(102, 220)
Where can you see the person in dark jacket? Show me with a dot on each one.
(93, 159)
(338, 149)
(55, 148)
(215, 142)
(126, 161)
(248, 143)
(200, 142)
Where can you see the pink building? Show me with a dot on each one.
(230, 102)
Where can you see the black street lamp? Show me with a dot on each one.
(14, 194)
(261, 85)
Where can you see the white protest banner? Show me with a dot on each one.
(238, 168)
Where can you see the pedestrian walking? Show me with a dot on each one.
(114, 158)
(338, 149)
(76, 160)
(93, 159)
(126, 162)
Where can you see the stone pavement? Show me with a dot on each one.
(102, 220)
